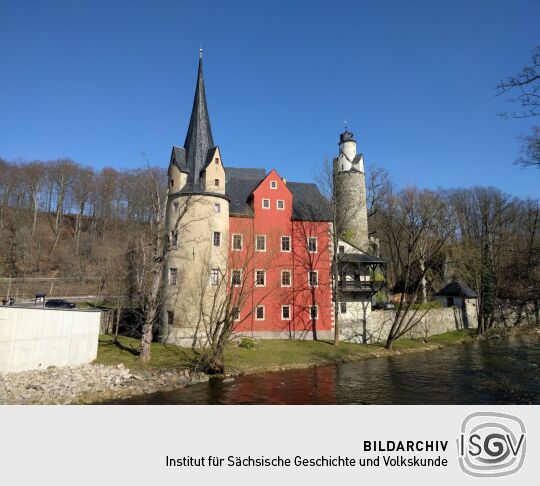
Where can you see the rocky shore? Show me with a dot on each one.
(89, 384)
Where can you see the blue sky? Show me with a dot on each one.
(103, 81)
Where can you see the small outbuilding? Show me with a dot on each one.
(456, 294)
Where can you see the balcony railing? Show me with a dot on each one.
(361, 285)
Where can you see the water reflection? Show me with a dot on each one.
(490, 372)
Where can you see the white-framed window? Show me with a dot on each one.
(259, 313)
(260, 243)
(236, 277)
(285, 243)
(286, 312)
(174, 238)
(236, 313)
(286, 278)
(313, 278)
(216, 239)
(176, 205)
(217, 208)
(173, 276)
(237, 242)
(312, 244)
(343, 307)
(260, 278)
(266, 203)
(280, 204)
(313, 312)
(273, 184)
(214, 276)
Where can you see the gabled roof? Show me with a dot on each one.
(457, 289)
(209, 157)
(178, 158)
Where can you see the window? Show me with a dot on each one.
(260, 243)
(216, 182)
(237, 242)
(341, 249)
(176, 205)
(214, 276)
(236, 278)
(170, 318)
(216, 160)
(285, 312)
(173, 276)
(285, 243)
(280, 204)
(174, 238)
(217, 238)
(172, 182)
(285, 278)
(313, 278)
(313, 312)
(266, 203)
(273, 185)
(236, 313)
(217, 208)
(343, 307)
(312, 244)
(259, 313)
(260, 278)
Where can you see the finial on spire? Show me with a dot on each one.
(200, 52)
(345, 123)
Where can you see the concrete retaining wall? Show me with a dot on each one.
(37, 338)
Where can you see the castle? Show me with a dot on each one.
(267, 240)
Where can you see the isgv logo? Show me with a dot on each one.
(491, 444)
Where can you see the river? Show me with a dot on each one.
(497, 371)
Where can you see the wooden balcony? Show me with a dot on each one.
(366, 286)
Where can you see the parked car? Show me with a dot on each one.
(384, 306)
(59, 304)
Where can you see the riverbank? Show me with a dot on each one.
(118, 373)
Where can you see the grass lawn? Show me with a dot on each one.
(265, 355)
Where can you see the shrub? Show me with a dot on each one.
(247, 343)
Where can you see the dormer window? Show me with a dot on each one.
(172, 182)
(216, 160)
(273, 185)
(216, 182)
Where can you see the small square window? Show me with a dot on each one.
(216, 182)
(285, 243)
(313, 278)
(214, 276)
(236, 278)
(259, 313)
(173, 276)
(217, 238)
(273, 185)
(343, 307)
(285, 278)
(260, 243)
(313, 312)
(341, 249)
(260, 278)
(266, 203)
(217, 208)
(312, 244)
(280, 204)
(237, 242)
(236, 313)
(285, 312)
(216, 160)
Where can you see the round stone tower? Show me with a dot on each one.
(350, 193)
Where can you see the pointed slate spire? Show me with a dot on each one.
(199, 136)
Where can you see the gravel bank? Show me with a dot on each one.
(89, 384)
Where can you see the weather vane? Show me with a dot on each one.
(345, 123)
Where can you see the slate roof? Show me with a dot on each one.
(199, 140)
(457, 289)
(360, 258)
(308, 202)
(178, 158)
